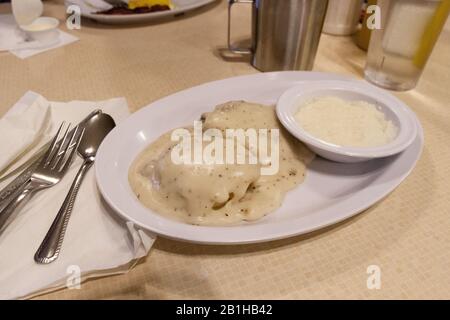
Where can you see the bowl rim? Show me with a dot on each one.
(54, 21)
(406, 118)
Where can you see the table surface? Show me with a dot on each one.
(407, 234)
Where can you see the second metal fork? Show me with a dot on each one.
(49, 172)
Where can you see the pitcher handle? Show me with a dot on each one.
(230, 46)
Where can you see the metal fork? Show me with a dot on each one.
(51, 169)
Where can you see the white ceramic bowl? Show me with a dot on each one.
(43, 29)
(394, 110)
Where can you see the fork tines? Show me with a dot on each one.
(61, 149)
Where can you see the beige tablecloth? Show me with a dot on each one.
(407, 235)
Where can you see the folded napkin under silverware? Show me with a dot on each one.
(51, 169)
(97, 242)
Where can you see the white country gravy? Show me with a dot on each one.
(219, 194)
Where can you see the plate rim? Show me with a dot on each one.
(195, 238)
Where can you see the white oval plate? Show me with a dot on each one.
(180, 6)
(331, 192)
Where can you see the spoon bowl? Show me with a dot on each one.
(95, 130)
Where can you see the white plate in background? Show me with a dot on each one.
(331, 192)
(180, 6)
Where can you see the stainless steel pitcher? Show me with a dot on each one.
(285, 33)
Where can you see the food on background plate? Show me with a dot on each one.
(139, 6)
(346, 123)
(220, 194)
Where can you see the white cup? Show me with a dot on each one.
(42, 29)
(26, 11)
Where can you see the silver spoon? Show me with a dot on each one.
(95, 130)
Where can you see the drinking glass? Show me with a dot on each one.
(399, 50)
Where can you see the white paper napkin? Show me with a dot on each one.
(26, 126)
(12, 39)
(97, 241)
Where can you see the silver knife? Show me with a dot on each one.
(30, 165)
